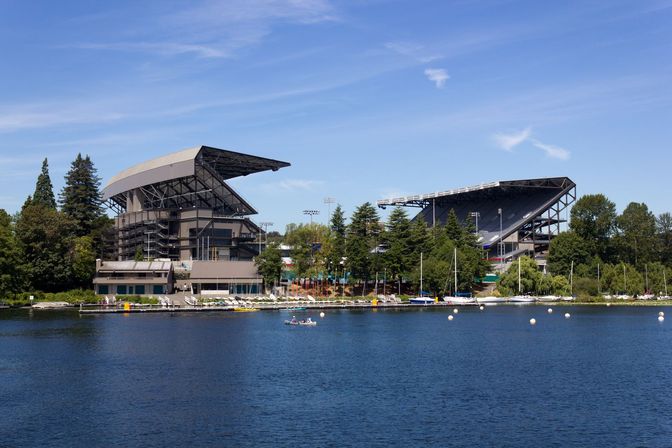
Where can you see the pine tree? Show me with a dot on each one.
(397, 258)
(80, 199)
(12, 272)
(453, 228)
(337, 231)
(363, 234)
(44, 191)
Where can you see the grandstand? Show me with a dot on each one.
(512, 217)
(180, 207)
(179, 210)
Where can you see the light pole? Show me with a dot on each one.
(311, 213)
(329, 201)
(475, 215)
(501, 248)
(265, 226)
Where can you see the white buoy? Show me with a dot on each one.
(481, 307)
(533, 321)
(450, 317)
(550, 310)
(322, 314)
(455, 311)
(661, 314)
(567, 315)
(661, 318)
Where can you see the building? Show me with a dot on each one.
(133, 277)
(511, 217)
(180, 208)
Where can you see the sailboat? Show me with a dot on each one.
(421, 300)
(454, 298)
(665, 297)
(521, 298)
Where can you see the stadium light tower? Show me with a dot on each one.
(329, 201)
(501, 248)
(265, 226)
(311, 213)
(475, 215)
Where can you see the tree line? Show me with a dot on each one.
(367, 249)
(51, 245)
(604, 252)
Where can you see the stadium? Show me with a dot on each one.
(179, 209)
(512, 218)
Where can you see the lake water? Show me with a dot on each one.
(360, 378)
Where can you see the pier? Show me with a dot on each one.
(291, 306)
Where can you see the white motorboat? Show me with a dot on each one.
(522, 299)
(567, 298)
(550, 298)
(490, 299)
(459, 300)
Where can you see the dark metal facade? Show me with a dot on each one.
(512, 217)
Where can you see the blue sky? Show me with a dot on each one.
(366, 99)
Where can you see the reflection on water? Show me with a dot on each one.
(384, 378)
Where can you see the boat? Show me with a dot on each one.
(421, 300)
(303, 323)
(490, 299)
(455, 299)
(522, 299)
(459, 300)
(245, 310)
(550, 298)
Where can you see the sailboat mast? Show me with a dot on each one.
(420, 274)
(665, 279)
(646, 277)
(519, 287)
(625, 281)
(455, 268)
(571, 279)
(598, 278)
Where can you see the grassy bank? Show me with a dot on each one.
(75, 297)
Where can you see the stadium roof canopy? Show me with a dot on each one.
(526, 206)
(193, 177)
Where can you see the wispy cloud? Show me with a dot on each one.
(552, 151)
(438, 76)
(510, 140)
(217, 29)
(415, 51)
(291, 185)
(51, 114)
(299, 184)
(161, 48)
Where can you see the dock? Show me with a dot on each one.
(266, 307)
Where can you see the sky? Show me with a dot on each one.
(366, 99)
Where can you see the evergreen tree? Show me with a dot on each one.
(12, 272)
(44, 191)
(337, 232)
(45, 239)
(363, 234)
(80, 199)
(453, 228)
(397, 258)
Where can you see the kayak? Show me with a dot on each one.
(302, 323)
